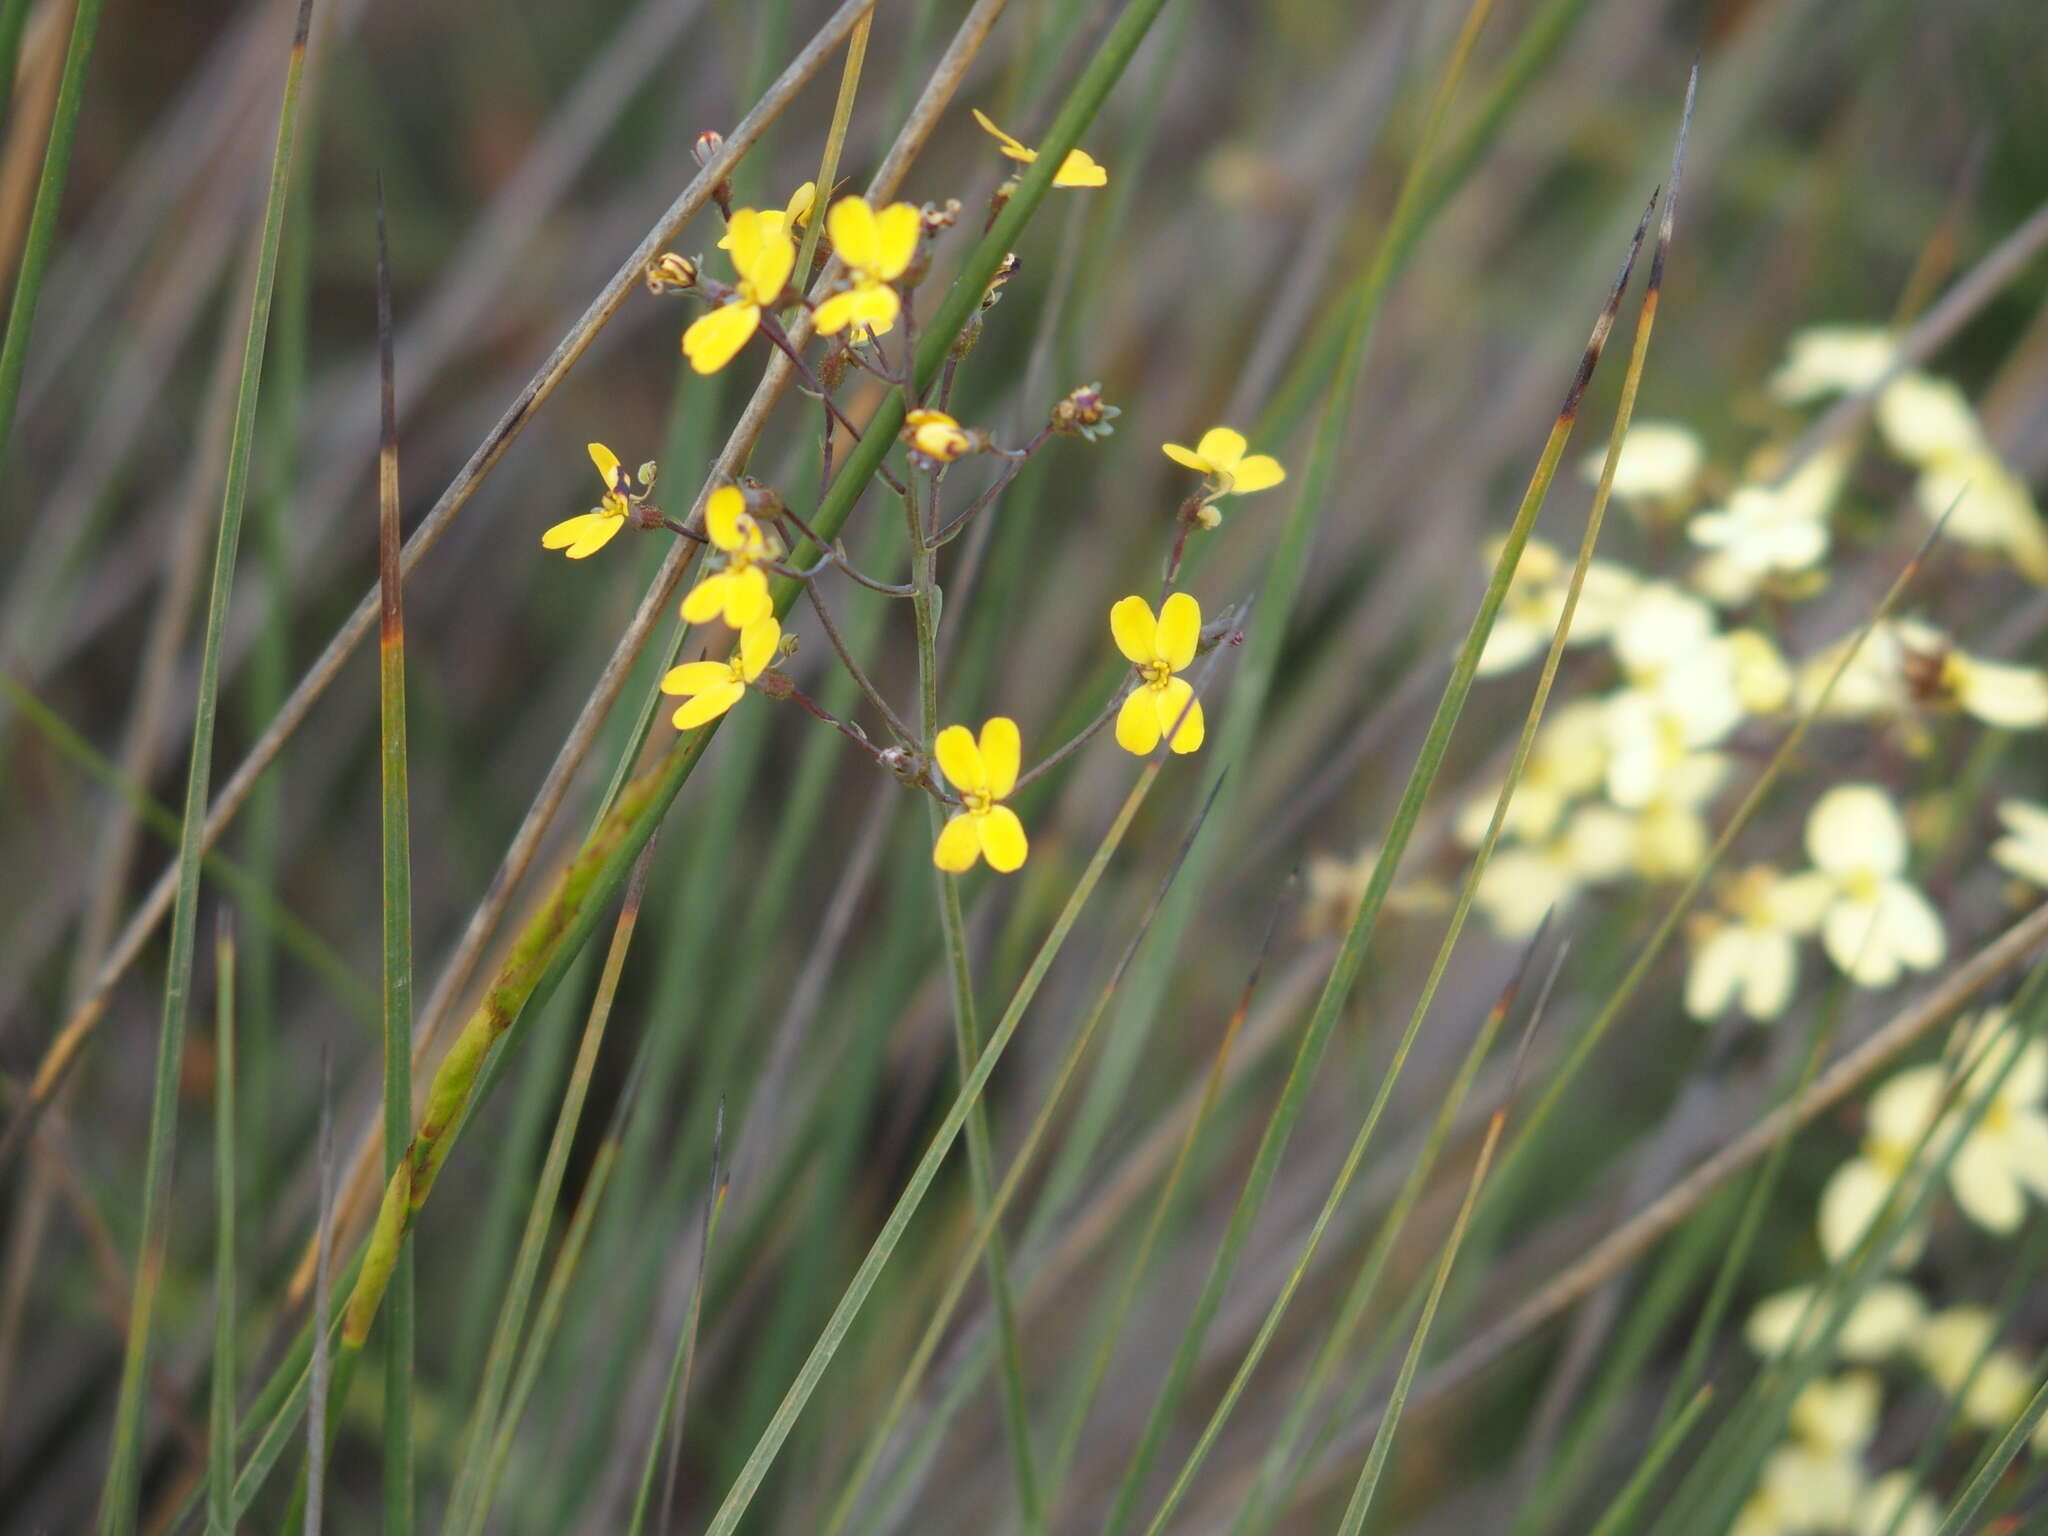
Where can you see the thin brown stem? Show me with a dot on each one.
(862, 681)
(1015, 460)
(772, 329)
(1080, 739)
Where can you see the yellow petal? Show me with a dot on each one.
(836, 313)
(960, 760)
(694, 677)
(1003, 842)
(722, 517)
(747, 598)
(745, 234)
(710, 704)
(852, 226)
(1078, 170)
(607, 464)
(1136, 632)
(1185, 456)
(800, 201)
(759, 640)
(1137, 723)
(896, 230)
(1173, 705)
(1011, 147)
(958, 845)
(715, 338)
(706, 601)
(770, 268)
(1222, 447)
(1180, 630)
(1001, 752)
(575, 531)
(1258, 472)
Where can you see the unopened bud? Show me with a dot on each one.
(669, 271)
(938, 216)
(647, 473)
(709, 146)
(1006, 269)
(1084, 413)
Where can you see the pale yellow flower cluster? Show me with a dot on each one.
(1987, 1100)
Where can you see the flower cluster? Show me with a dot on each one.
(1623, 781)
(870, 260)
(1981, 1109)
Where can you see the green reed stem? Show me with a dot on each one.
(220, 1427)
(1622, 1516)
(118, 1499)
(396, 824)
(42, 219)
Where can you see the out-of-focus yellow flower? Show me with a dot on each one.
(983, 774)
(1885, 1320)
(1659, 464)
(1949, 1349)
(1231, 471)
(1930, 424)
(1521, 884)
(1077, 170)
(1680, 695)
(1837, 1415)
(1815, 1481)
(1748, 954)
(1567, 761)
(1891, 1506)
(586, 533)
(1833, 360)
(2005, 1153)
(877, 248)
(1159, 648)
(1937, 672)
(935, 436)
(1878, 923)
(1767, 532)
(1897, 1115)
(1672, 836)
(2024, 848)
(785, 222)
(1535, 600)
(762, 255)
(713, 687)
(739, 593)
(1763, 682)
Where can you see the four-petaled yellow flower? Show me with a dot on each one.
(1158, 648)
(876, 248)
(934, 435)
(739, 593)
(788, 221)
(1232, 472)
(588, 532)
(1077, 170)
(713, 687)
(983, 775)
(762, 254)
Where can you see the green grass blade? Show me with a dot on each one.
(118, 1501)
(665, 1444)
(396, 823)
(42, 219)
(1622, 1514)
(467, 1508)
(763, 1455)
(220, 1429)
(252, 894)
(13, 18)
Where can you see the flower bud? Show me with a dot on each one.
(669, 271)
(1084, 413)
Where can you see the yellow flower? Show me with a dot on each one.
(1750, 953)
(1567, 762)
(1833, 359)
(788, 221)
(1659, 462)
(1885, 1319)
(1535, 601)
(2005, 1153)
(935, 436)
(762, 254)
(1891, 1507)
(982, 774)
(588, 532)
(1077, 170)
(1158, 648)
(1232, 472)
(1895, 1119)
(1950, 1348)
(1878, 923)
(713, 687)
(739, 593)
(876, 248)
(2024, 848)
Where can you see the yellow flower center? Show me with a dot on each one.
(1861, 885)
(975, 802)
(1156, 674)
